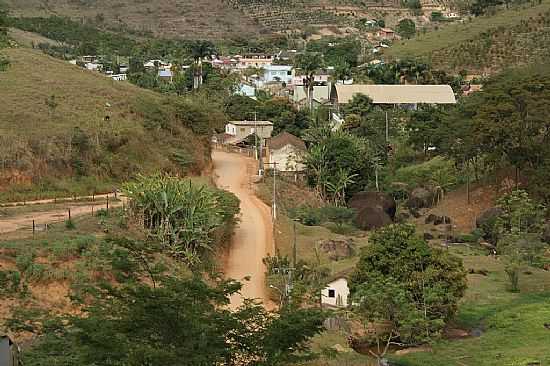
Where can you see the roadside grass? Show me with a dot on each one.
(425, 44)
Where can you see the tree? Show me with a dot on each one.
(199, 51)
(519, 229)
(309, 63)
(408, 286)
(178, 320)
(337, 163)
(406, 28)
(342, 70)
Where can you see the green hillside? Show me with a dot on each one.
(485, 44)
(60, 121)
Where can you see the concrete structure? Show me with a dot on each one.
(253, 60)
(321, 94)
(9, 352)
(280, 73)
(247, 90)
(386, 33)
(286, 150)
(407, 95)
(336, 293)
(242, 129)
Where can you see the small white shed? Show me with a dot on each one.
(336, 293)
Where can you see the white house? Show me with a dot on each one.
(246, 90)
(119, 77)
(286, 151)
(280, 73)
(242, 129)
(336, 293)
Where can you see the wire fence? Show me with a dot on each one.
(41, 221)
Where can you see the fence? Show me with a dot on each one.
(41, 220)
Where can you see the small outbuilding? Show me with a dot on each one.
(286, 150)
(9, 352)
(336, 294)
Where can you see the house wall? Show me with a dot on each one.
(341, 293)
(243, 131)
(287, 159)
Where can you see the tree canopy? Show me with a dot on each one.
(400, 279)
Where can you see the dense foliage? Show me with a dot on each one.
(402, 281)
(184, 217)
(178, 319)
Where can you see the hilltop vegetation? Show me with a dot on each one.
(212, 19)
(485, 44)
(64, 128)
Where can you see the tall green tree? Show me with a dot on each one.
(309, 64)
(200, 50)
(403, 282)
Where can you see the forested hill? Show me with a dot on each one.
(485, 44)
(64, 128)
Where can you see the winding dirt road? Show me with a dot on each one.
(253, 238)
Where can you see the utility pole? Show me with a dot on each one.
(274, 199)
(387, 129)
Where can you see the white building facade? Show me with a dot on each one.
(336, 294)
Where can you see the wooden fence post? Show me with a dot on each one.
(107, 203)
(33, 227)
(69, 214)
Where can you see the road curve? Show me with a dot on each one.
(253, 237)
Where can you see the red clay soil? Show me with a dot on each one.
(463, 214)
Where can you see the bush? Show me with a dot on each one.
(437, 172)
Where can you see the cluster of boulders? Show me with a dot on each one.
(437, 220)
(374, 209)
(337, 249)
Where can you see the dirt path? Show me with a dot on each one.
(24, 221)
(253, 239)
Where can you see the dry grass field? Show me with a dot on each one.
(205, 19)
(49, 107)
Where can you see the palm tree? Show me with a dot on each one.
(200, 50)
(309, 63)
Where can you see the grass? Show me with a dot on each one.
(511, 324)
(36, 151)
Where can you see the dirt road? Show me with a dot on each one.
(41, 217)
(253, 238)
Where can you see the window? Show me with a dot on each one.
(331, 293)
(243, 129)
(289, 72)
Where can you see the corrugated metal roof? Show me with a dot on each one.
(251, 123)
(398, 94)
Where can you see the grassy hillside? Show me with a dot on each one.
(486, 44)
(61, 121)
(179, 18)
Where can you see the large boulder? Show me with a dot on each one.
(420, 198)
(546, 234)
(384, 201)
(372, 218)
(488, 217)
(337, 249)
